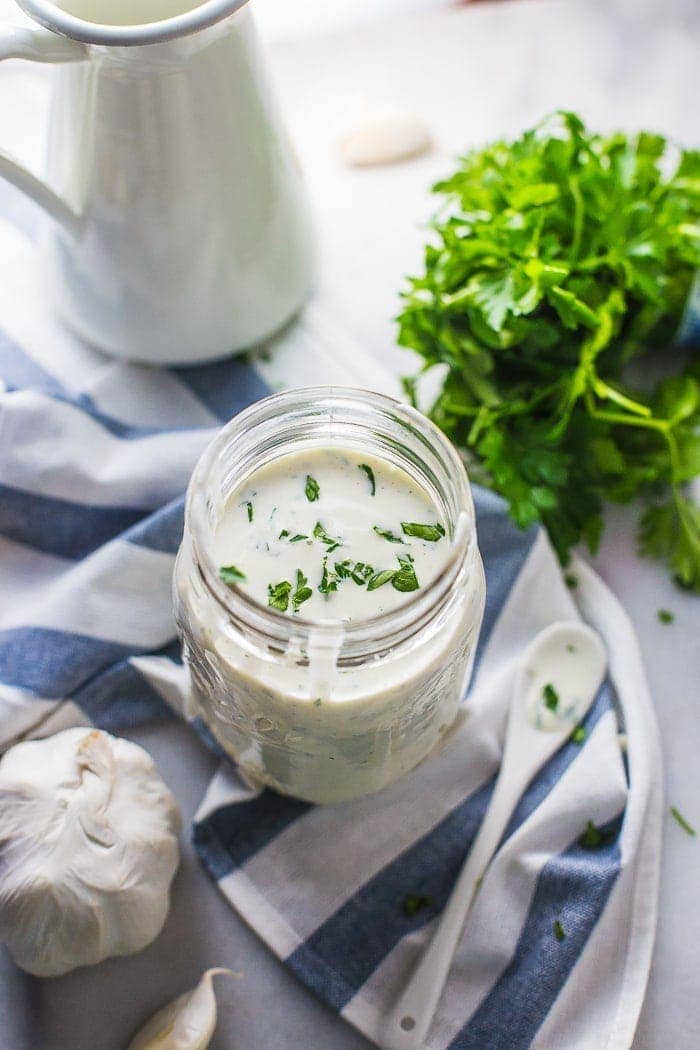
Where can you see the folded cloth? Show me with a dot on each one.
(94, 458)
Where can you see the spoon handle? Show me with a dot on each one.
(412, 1015)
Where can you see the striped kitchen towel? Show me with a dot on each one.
(94, 459)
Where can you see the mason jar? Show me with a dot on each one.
(328, 710)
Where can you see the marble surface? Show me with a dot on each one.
(471, 74)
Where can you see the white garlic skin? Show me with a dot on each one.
(187, 1023)
(384, 134)
(88, 849)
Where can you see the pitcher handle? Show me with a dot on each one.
(39, 45)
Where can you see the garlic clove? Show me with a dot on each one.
(384, 134)
(187, 1023)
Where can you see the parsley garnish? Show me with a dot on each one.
(665, 616)
(387, 534)
(571, 581)
(680, 819)
(560, 258)
(278, 595)
(302, 592)
(415, 902)
(402, 579)
(249, 509)
(405, 578)
(380, 578)
(595, 838)
(330, 541)
(559, 931)
(578, 735)
(283, 534)
(299, 536)
(370, 474)
(231, 574)
(550, 697)
(312, 489)
(329, 580)
(433, 533)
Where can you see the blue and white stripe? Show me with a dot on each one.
(94, 458)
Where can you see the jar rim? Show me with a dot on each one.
(363, 637)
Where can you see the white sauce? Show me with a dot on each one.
(296, 719)
(558, 694)
(262, 522)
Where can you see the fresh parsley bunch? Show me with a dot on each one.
(561, 258)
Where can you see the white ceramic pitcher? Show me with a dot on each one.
(180, 227)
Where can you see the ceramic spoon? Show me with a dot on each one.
(556, 684)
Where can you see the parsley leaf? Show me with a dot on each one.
(231, 574)
(595, 838)
(415, 902)
(249, 508)
(405, 578)
(680, 819)
(329, 579)
(550, 697)
(665, 616)
(380, 578)
(387, 534)
(278, 595)
(433, 533)
(312, 489)
(370, 474)
(302, 592)
(321, 534)
(559, 931)
(556, 260)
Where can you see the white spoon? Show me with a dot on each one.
(556, 683)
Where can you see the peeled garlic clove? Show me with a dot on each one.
(384, 135)
(187, 1023)
(88, 849)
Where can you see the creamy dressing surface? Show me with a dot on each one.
(331, 534)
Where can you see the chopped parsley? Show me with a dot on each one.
(415, 902)
(405, 578)
(559, 931)
(433, 533)
(302, 593)
(330, 541)
(578, 735)
(360, 572)
(283, 534)
(278, 595)
(299, 536)
(402, 579)
(329, 580)
(231, 574)
(550, 697)
(312, 489)
(249, 509)
(380, 578)
(680, 819)
(571, 581)
(387, 534)
(665, 616)
(595, 838)
(370, 474)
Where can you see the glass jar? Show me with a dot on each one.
(328, 711)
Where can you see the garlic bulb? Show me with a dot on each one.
(187, 1023)
(384, 134)
(88, 849)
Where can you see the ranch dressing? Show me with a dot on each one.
(318, 534)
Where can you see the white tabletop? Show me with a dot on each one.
(471, 74)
